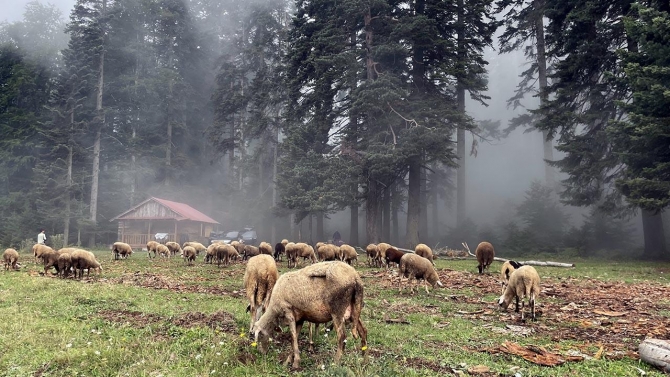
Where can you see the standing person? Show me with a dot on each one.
(337, 238)
(41, 237)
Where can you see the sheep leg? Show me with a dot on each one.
(295, 356)
(341, 336)
(313, 329)
(517, 304)
(531, 303)
(425, 285)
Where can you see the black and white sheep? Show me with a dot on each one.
(260, 277)
(419, 268)
(506, 270)
(319, 293)
(523, 283)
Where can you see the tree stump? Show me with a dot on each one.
(656, 352)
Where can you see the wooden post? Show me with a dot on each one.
(123, 230)
(149, 233)
(201, 233)
(175, 231)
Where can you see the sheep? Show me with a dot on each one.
(393, 255)
(485, 255)
(260, 277)
(64, 262)
(322, 292)
(371, 251)
(197, 246)
(425, 251)
(174, 247)
(250, 251)
(188, 253)
(349, 254)
(414, 266)
(299, 250)
(284, 242)
(381, 252)
(224, 253)
(506, 270)
(121, 250)
(163, 251)
(151, 248)
(84, 260)
(524, 282)
(11, 258)
(232, 254)
(39, 250)
(50, 259)
(279, 250)
(210, 253)
(265, 248)
(327, 252)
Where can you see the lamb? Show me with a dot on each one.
(524, 282)
(84, 260)
(327, 252)
(371, 251)
(121, 250)
(260, 277)
(197, 246)
(299, 250)
(424, 251)
(174, 248)
(151, 248)
(320, 293)
(393, 255)
(485, 255)
(349, 254)
(506, 270)
(163, 251)
(414, 266)
(265, 248)
(11, 258)
(188, 253)
(39, 250)
(279, 250)
(250, 251)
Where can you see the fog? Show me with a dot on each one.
(12, 10)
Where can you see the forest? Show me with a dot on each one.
(281, 114)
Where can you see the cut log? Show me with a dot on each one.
(527, 262)
(656, 352)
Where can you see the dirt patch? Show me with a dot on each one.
(132, 318)
(155, 281)
(219, 320)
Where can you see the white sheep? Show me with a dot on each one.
(319, 293)
(414, 266)
(523, 283)
(260, 277)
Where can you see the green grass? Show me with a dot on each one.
(163, 318)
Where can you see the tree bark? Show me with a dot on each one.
(413, 203)
(386, 215)
(371, 212)
(68, 196)
(353, 224)
(654, 237)
(319, 227)
(353, 141)
(423, 212)
(460, 132)
(542, 79)
(395, 205)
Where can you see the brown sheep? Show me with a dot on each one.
(327, 252)
(506, 270)
(523, 283)
(320, 293)
(84, 260)
(174, 248)
(11, 258)
(300, 250)
(197, 246)
(163, 251)
(39, 250)
(188, 253)
(64, 263)
(151, 248)
(349, 254)
(381, 252)
(223, 254)
(414, 266)
(260, 277)
(265, 248)
(250, 251)
(279, 250)
(423, 250)
(485, 255)
(371, 251)
(121, 250)
(233, 255)
(211, 252)
(393, 255)
(239, 246)
(50, 259)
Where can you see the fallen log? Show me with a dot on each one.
(527, 262)
(656, 352)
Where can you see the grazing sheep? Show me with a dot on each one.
(222, 254)
(260, 277)
(371, 251)
(39, 250)
(485, 255)
(121, 250)
(327, 252)
(64, 263)
(381, 252)
(250, 251)
(320, 293)
(239, 246)
(210, 253)
(197, 246)
(349, 254)
(233, 255)
(299, 250)
(265, 248)
(50, 259)
(279, 250)
(174, 248)
(506, 270)
(84, 260)
(393, 255)
(151, 248)
(423, 250)
(11, 258)
(163, 251)
(414, 266)
(284, 242)
(524, 282)
(189, 253)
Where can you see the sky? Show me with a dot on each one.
(12, 10)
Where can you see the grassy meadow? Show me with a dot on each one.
(157, 317)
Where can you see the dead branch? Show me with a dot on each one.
(527, 262)
(412, 122)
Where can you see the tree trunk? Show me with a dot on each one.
(319, 227)
(371, 212)
(413, 203)
(68, 196)
(353, 224)
(460, 132)
(386, 215)
(654, 237)
(275, 158)
(353, 141)
(395, 205)
(423, 199)
(168, 147)
(435, 228)
(542, 79)
(100, 120)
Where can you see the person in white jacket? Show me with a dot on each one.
(41, 237)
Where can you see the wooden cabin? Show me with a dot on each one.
(179, 221)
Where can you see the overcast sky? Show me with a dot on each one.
(12, 10)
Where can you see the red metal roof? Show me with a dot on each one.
(184, 210)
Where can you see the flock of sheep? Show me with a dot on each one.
(335, 291)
